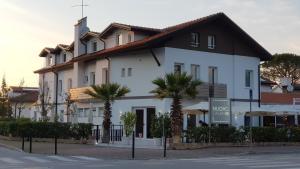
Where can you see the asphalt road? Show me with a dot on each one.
(10, 159)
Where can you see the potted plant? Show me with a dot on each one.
(129, 120)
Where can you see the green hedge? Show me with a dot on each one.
(26, 128)
(231, 134)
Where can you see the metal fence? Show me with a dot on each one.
(116, 132)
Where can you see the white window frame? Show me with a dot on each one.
(119, 39)
(211, 41)
(195, 71)
(123, 72)
(92, 78)
(94, 46)
(70, 83)
(129, 72)
(251, 80)
(195, 39)
(181, 67)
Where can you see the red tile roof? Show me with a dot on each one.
(164, 34)
(278, 98)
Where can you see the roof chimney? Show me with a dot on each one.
(80, 29)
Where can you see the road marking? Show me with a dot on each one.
(60, 158)
(11, 161)
(272, 165)
(260, 163)
(86, 158)
(36, 159)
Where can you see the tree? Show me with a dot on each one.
(107, 93)
(5, 108)
(44, 99)
(282, 65)
(176, 86)
(18, 100)
(69, 103)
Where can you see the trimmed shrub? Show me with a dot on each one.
(20, 128)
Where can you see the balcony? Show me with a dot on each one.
(78, 93)
(217, 90)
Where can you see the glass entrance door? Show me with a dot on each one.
(139, 126)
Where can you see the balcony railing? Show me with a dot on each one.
(216, 90)
(78, 93)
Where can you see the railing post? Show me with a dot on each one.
(165, 146)
(23, 142)
(97, 133)
(55, 145)
(30, 144)
(133, 145)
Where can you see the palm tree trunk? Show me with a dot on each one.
(176, 119)
(106, 122)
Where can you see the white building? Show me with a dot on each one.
(22, 100)
(212, 49)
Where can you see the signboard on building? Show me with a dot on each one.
(220, 111)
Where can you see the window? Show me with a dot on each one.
(69, 83)
(129, 73)
(50, 60)
(178, 68)
(213, 75)
(248, 78)
(94, 46)
(119, 39)
(211, 42)
(59, 87)
(123, 72)
(195, 39)
(86, 79)
(129, 38)
(105, 76)
(92, 78)
(64, 57)
(195, 72)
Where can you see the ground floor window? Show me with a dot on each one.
(269, 121)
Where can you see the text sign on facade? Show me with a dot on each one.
(220, 110)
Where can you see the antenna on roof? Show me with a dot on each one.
(82, 5)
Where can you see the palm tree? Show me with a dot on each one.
(176, 86)
(107, 93)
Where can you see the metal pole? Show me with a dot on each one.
(55, 145)
(23, 140)
(133, 145)
(209, 126)
(251, 97)
(165, 147)
(56, 98)
(97, 133)
(30, 144)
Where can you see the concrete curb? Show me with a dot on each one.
(11, 147)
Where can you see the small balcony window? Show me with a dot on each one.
(195, 39)
(211, 42)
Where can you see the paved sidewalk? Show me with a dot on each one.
(125, 153)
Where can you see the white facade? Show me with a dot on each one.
(136, 70)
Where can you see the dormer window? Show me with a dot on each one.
(129, 38)
(94, 46)
(195, 39)
(64, 57)
(50, 60)
(119, 39)
(211, 42)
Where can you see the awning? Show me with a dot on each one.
(272, 110)
(199, 108)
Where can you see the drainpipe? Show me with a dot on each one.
(56, 96)
(104, 44)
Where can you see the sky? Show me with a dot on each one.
(27, 26)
